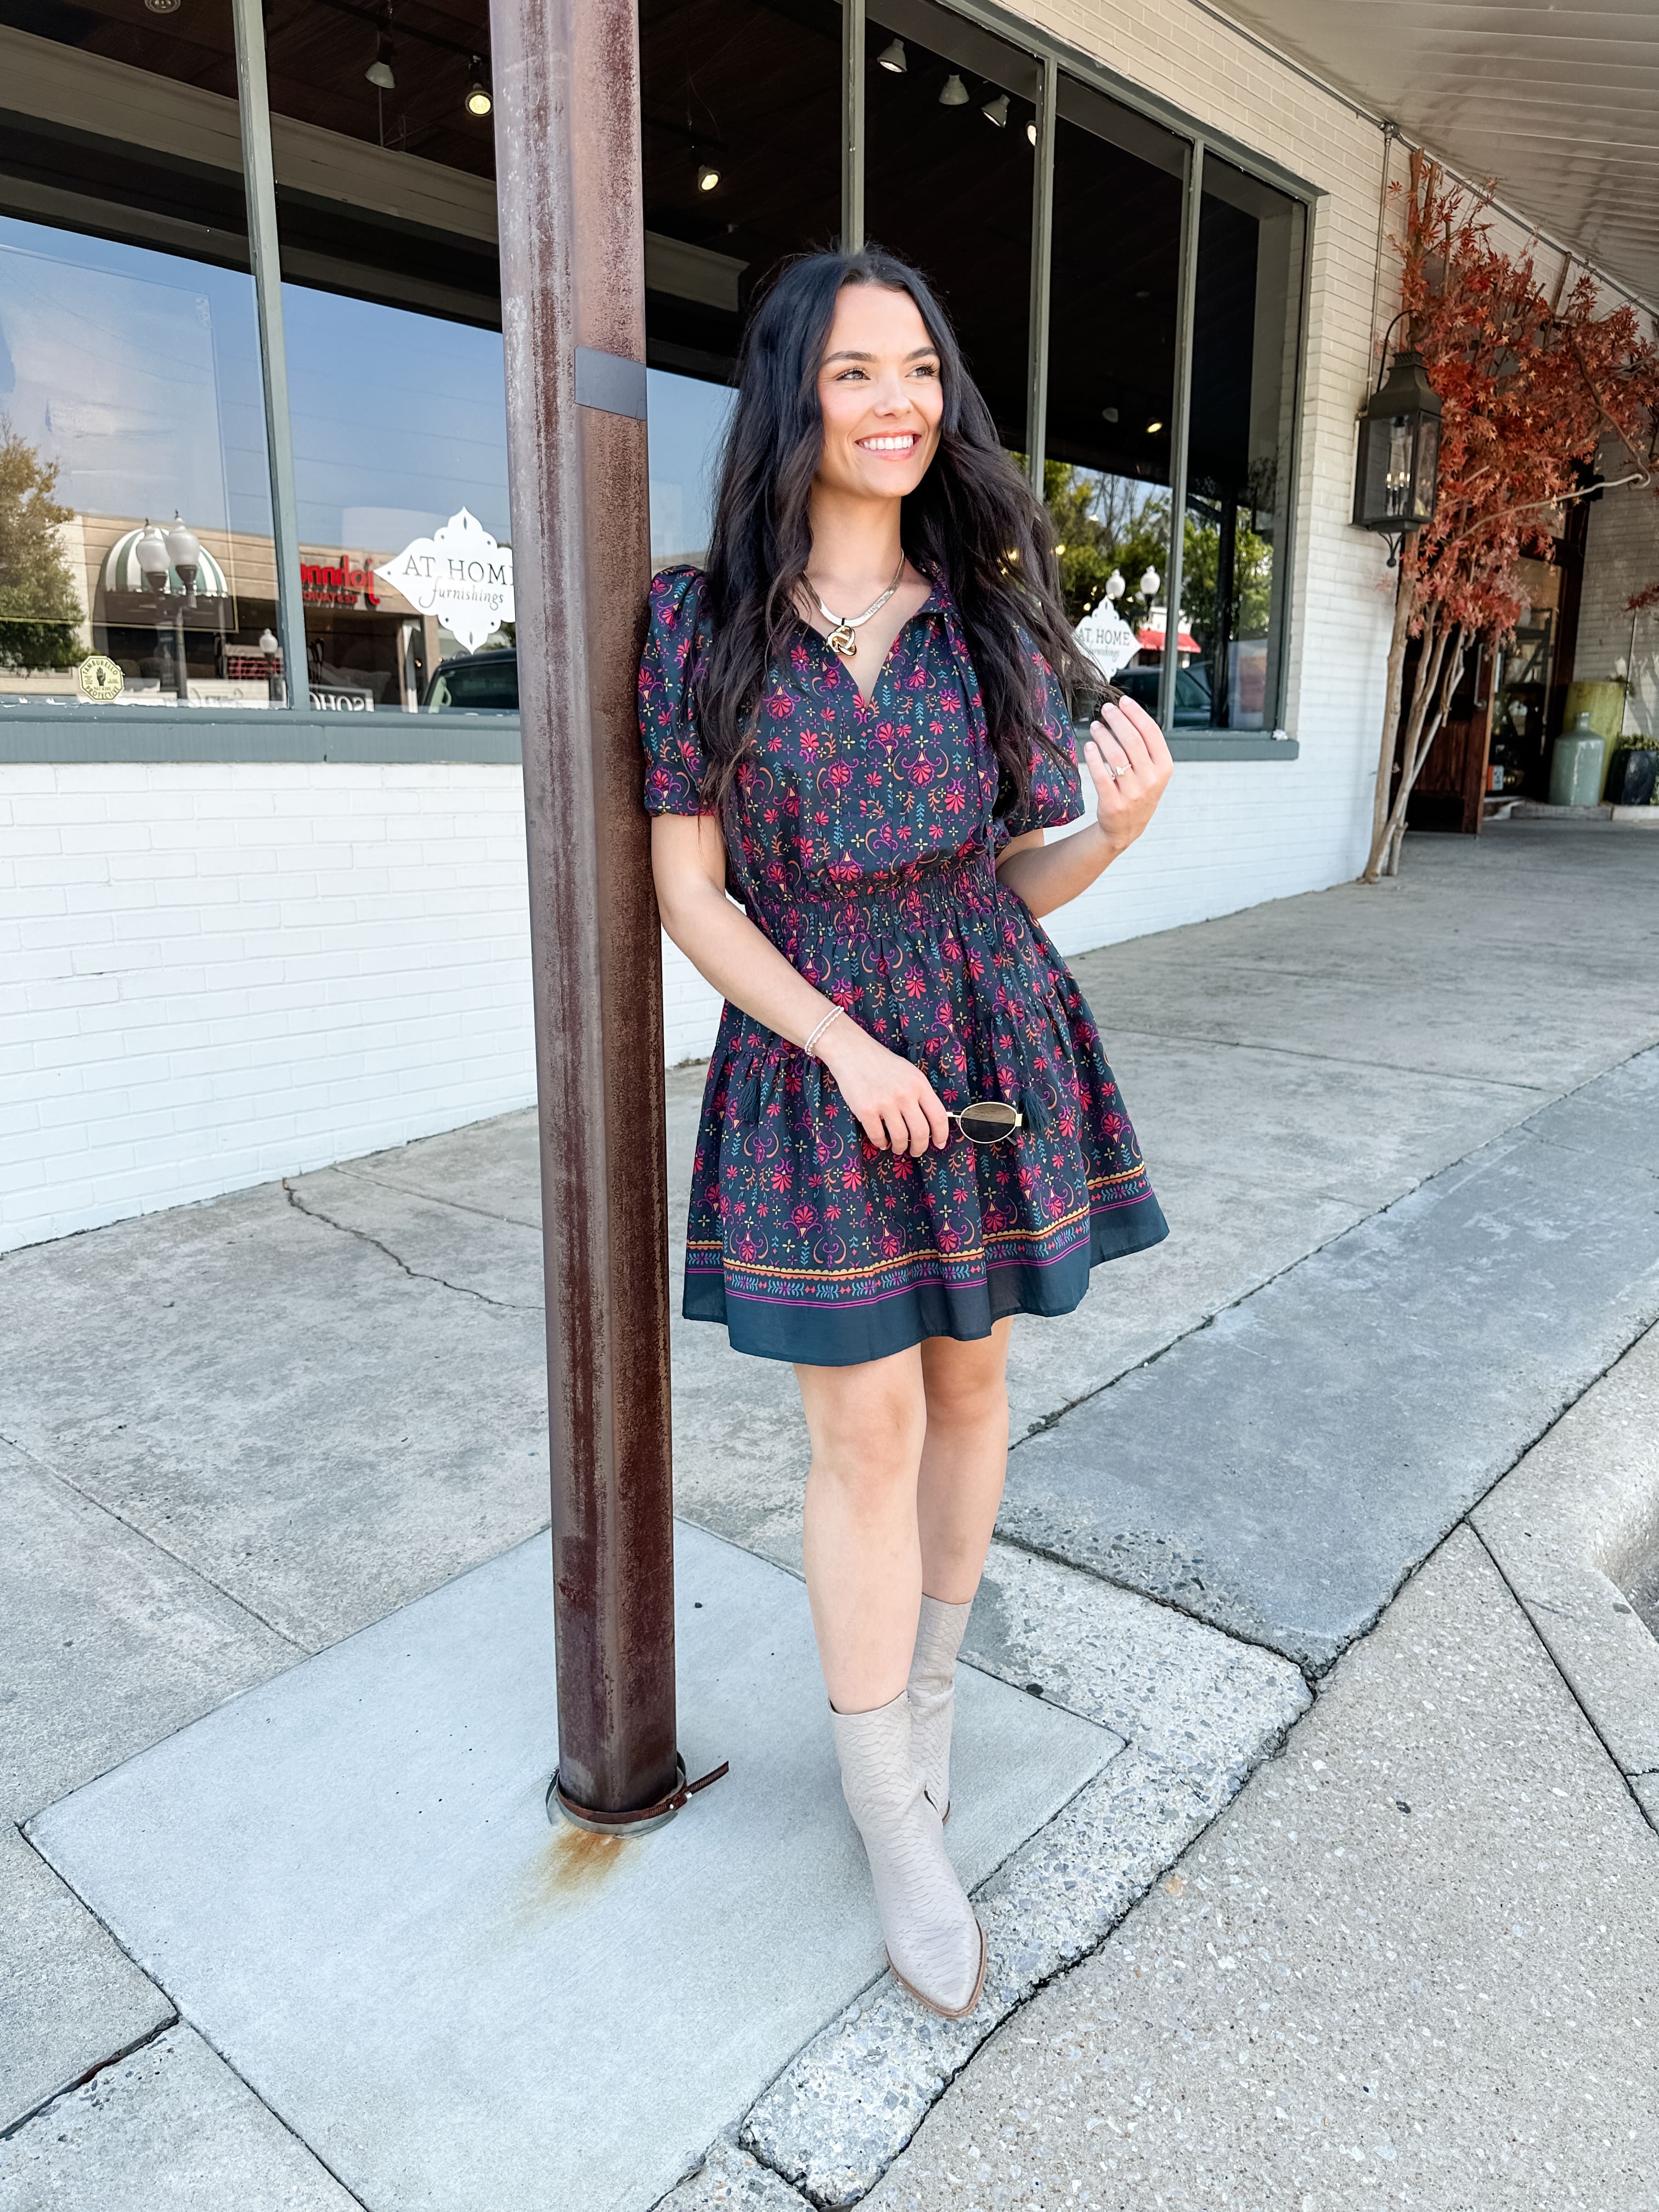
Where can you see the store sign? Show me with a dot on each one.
(460, 574)
(1107, 639)
(101, 678)
(321, 586)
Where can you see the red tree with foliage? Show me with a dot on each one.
(1531, 387)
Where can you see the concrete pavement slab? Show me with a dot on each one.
(106, 1643)
(70, 1999)
(1486, 957)
(1410, 1965)
(730, 2180)
(1575, 1528)
(347, 1881)
(171, 2130)
(281, 1404)
(1280, 1471)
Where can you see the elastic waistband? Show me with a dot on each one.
(963, 874)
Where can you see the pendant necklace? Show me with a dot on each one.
(842, 626)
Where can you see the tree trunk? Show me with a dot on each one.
(1408, 726)
(1391, 703)
(1436, 698)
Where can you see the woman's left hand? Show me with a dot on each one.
(1130, 763)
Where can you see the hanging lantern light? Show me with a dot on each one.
(1398, 453)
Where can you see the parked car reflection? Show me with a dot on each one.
(472, 682)
(1193, 703)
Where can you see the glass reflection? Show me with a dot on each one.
(957, 114)
(1118, 186)
(1245, 344)
(130, 396)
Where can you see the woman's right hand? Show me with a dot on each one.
(896, 1107)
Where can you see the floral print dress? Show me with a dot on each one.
(865, 851)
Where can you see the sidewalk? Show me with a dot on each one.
(235, 1435)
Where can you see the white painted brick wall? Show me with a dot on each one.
(213, 975)
(210, 975)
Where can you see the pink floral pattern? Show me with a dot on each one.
(865, 843)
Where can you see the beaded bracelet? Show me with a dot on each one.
(811, 1048)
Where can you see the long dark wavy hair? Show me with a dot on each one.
(973, 524)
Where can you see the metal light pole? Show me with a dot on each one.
(566, 80)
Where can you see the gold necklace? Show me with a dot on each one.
(842, 626)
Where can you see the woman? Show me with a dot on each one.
(856, 724)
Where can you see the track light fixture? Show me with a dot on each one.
(478, 101)
(996, 111)
(893, 57)
(955, 93)
(708, 178)
(379, 72)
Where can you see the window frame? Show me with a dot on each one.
(1053, 54)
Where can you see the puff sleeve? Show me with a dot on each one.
(675, 765)
(1056, 794)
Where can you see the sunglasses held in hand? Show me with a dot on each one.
(985, 1121)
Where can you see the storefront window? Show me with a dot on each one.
(400, 428)
(1246, 338)
(740, 117)
(130, 396)
(687, 425)
(949, 117)
(129, 383)
(1112, 329)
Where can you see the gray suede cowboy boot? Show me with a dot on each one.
(935, 1946)
(933, 1690)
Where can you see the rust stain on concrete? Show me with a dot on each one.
(575, 1862)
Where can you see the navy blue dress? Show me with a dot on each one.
(867, 848)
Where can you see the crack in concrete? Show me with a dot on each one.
(1522, 1607)
(146, 1536)
(435, 1198)
(115, 2059)
(416, 1274)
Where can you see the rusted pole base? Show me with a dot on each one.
(640, 1823)
(650, 1817)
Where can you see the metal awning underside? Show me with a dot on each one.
(1556, 102)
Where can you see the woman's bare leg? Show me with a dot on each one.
(965, 1458)
(864, 1558)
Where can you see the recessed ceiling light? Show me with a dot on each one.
(707, 178)
(996, 111)
(955, 93)
(893, 58)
